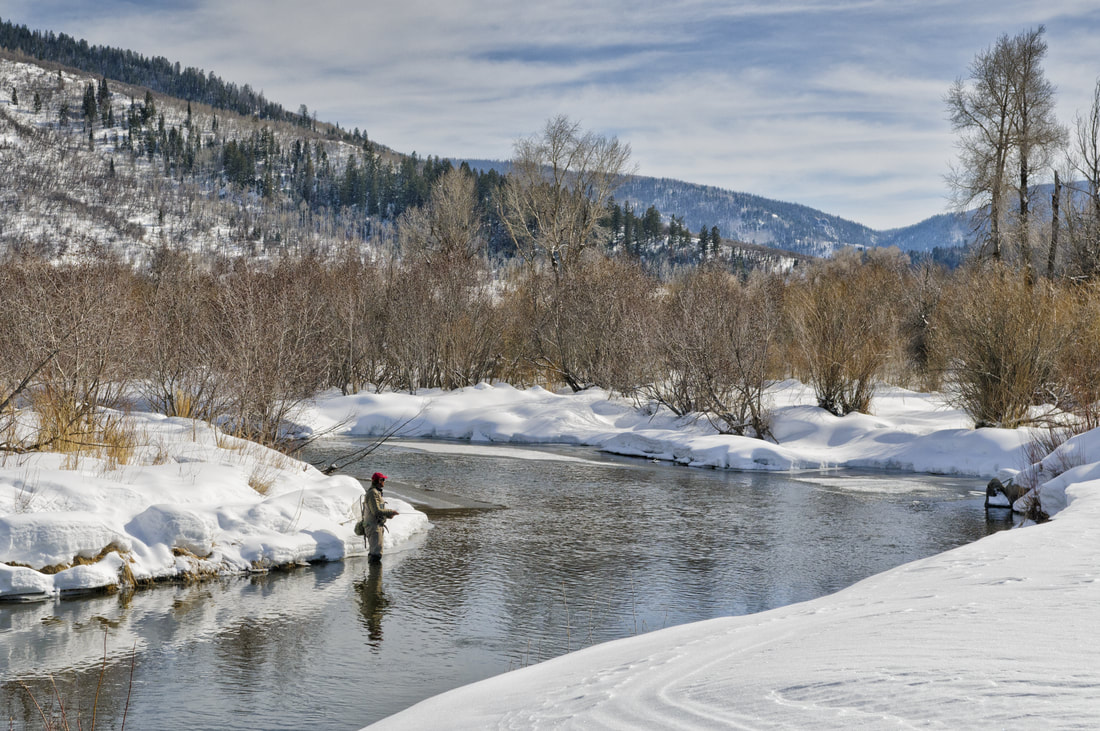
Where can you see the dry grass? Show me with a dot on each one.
(65, 425)
(184, 405)
(266, 466)
(261, 478)
(119, 441)
(76, 429)
(79, 560)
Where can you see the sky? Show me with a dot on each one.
(834, 104)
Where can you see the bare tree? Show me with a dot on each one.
(441, 322)
(1004, 116)
(551, 207)
(560, 184)
(981, 112)
(1085, 158)
(1036, 131)
(448, 229)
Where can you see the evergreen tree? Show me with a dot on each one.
(14, 97)
(149, 108)
(651, 224)
(89, 106)
(37, 102)
(614, 219)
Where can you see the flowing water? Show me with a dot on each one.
(548, 550)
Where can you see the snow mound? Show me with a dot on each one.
(909, 431)
(195, 502)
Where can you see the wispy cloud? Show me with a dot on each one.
(835, 104)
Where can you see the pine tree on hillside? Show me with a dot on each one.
(149, 108)
(89, 107)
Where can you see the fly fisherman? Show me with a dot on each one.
(375, 515)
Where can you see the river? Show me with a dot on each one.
(534, 551)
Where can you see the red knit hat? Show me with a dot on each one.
(377, 476)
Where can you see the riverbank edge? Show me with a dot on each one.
(932, 643)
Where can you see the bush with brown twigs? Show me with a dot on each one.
(717, 341)
(843, 328)
(1002, 339)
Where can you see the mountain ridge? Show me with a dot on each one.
(784, 225)
(747, 219)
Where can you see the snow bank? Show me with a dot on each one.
(910, 431)
(999, 633)
(194, 502)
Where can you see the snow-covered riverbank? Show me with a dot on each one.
(999, 633)
(191, 501)
(909, 431)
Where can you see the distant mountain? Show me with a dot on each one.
(943, 231)
(775, 224)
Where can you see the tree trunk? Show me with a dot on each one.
(1054, 200)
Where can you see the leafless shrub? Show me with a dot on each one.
(68, 351)
(1002, 338)
(717, 340)
(592, 327)
(843, 326)
(71, 342)
(354, 294)
(921, 296)
(177, 377)
(441, 325)
(1078, 374)
(267, 350)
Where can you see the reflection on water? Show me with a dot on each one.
(372, 603)
(581, 553)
